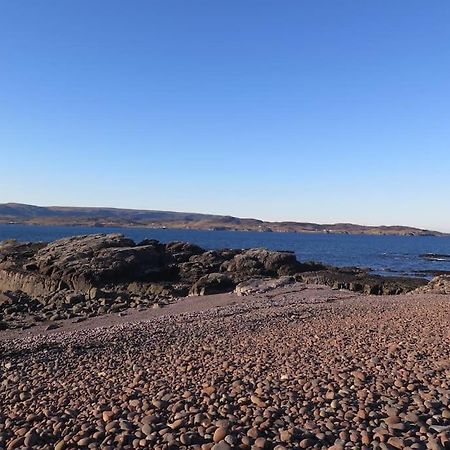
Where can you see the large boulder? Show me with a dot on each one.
(82, 262)
(204, 263)
(183, 251)
(261, 262)
(213, 283)
(213, 258)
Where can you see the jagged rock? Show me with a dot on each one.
(213, 283)
(213, 259)
(95, 293)
(182, 251)
(14, 254)
(207, 262)
(164, 289)
(311, 266)
(74, 298)
(82, 262)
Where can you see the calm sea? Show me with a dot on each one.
(388, 255)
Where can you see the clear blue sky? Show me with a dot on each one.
(323, 111)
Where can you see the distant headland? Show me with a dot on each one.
(87, 216)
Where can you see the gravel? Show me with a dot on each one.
(299, 368)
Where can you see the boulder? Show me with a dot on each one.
(83, 262)
(183, 251)
(213, 283)
(213, 258)
(261, 262)
(207, 262)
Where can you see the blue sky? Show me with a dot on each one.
(317, 110)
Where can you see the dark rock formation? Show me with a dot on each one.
(259, 262)
(358, 280)
(183, 251)
(96, 274)
(207, 262)
(213, 283)
(82, 262)
(89, 275)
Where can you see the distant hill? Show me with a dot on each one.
(64, 215)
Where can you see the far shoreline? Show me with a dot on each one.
(218, 229)
(18, 213)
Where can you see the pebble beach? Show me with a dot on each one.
(299, 367)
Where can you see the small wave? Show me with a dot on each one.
(435, 257)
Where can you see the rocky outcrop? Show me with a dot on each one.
(183, 251)
(435, 256)
(213, 283)
(83, 262)
(260, 262)
(207, 262)
(96, 274)
(358, 280)
(438, 285)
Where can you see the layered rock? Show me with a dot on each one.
(82, 262)
(358, 280)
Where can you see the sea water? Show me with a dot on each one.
(387, 255)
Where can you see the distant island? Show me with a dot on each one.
(16, 213)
